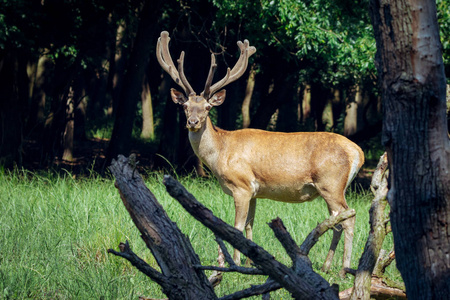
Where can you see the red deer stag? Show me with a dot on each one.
(251, 163)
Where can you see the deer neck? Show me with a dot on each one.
(205, 143)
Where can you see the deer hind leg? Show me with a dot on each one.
(337, 232)
(336, 206)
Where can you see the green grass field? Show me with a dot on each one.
(55, 231)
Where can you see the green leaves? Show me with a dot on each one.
(333, 38)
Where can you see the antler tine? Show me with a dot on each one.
(166, 62)
(238, 69)
(208, 83)
(164, 58)
(189, 90)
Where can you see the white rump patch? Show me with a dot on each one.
(354, 169)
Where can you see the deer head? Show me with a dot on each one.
(197, 107)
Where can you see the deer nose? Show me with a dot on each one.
(192, 122)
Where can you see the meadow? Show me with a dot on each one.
(55, 231)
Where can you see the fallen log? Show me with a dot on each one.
(379, 290)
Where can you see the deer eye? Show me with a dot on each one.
(208, 107)
(185, 105)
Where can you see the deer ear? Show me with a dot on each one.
(177, 97)
(217, 98)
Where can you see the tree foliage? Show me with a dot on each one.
(335, 45)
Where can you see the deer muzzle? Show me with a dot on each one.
(193, 124)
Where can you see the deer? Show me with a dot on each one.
(252, 163)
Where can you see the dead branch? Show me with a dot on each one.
(170, 247)
(372, 263)
(323, 227)
(383, 262)
(141, 265)
(379, 290)
(376, 235)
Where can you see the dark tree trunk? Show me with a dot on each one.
(170, 133)
(70, 126)
(319, 99)
(247, 98)
(118, 59)
(36, 116)
(276, 86)
(288, 114)
(13, 102)
(352, 121)
(52, 142)
(412, 79)
(148, 128)
(171, 248)
(130, 94)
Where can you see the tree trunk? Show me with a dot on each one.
(248, 98)
(272, 98)
(287, 114)
(172, 250)
(69, 131)
(170, 133)
(306, 103)
(352, 112)
(148, 129)
(130, 94)
(36, 116)
(52, 142)
(118, 64)
(319, 99)
(13, 101)
(411, 73)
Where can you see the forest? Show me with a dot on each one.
(80, 82)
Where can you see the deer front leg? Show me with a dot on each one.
(348, 227)
(244, 215)
(249, 225)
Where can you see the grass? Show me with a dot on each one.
(55, 231)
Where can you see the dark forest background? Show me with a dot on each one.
(80, 83)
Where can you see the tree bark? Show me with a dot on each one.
(148, 128)
(69, 131)
(411, 73)
(247, 99)
(352, 112)
(36, 116)
(276, 83)
(52, 141)
(319, 99)
(170, 247)
(130, 93)
(118, 64)
(13, 103)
